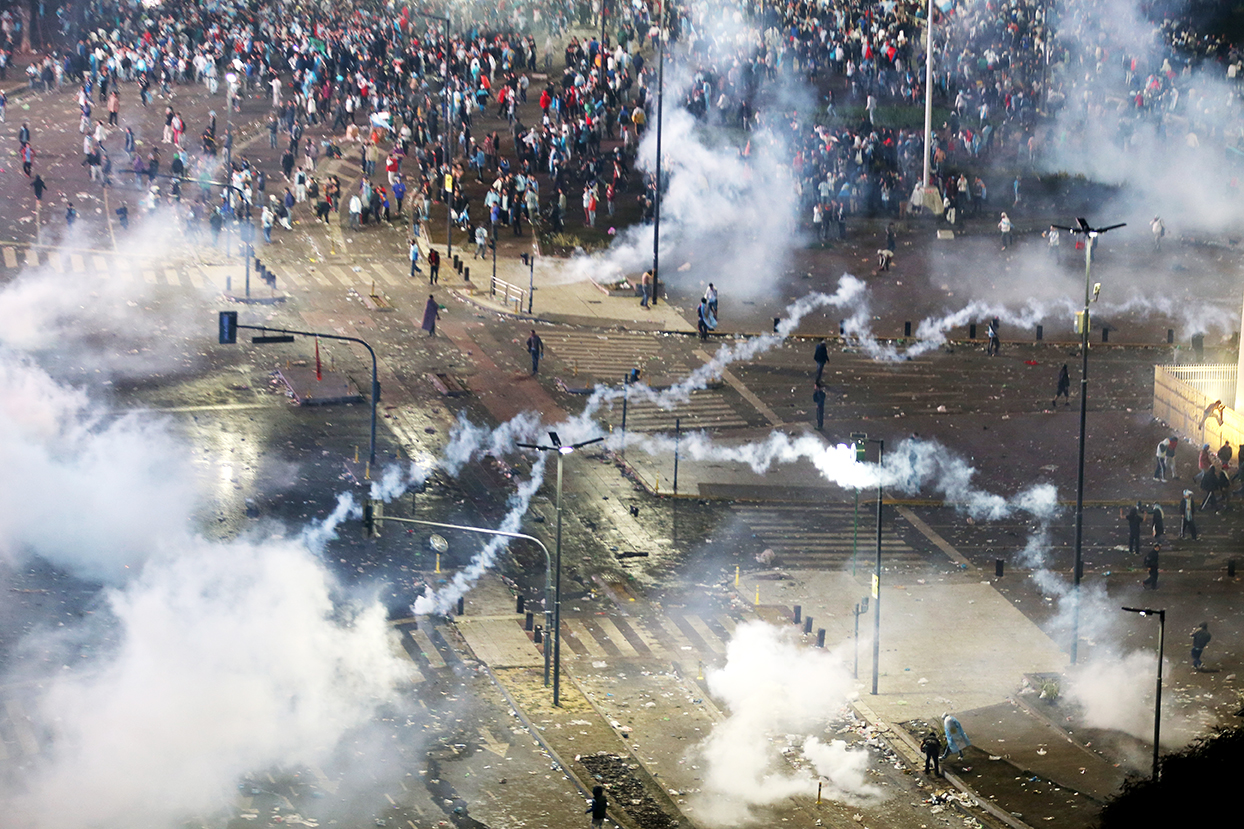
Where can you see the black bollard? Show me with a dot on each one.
(461, 606)
(1231, 568)
(518, 604)
(1105, 334)
(842, 328)
(820, 637)
(798, 613)
(537, 635)
(1040, 333)
(1170, 336)
(466, 274)
(807, 624)
(907, 329)
(776, 321)
(530, 622)
(1198, 345)
(998, 567)
(972, 331)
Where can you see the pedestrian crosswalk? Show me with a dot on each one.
(375, 277)
(17, 733)
(707, 409)
(424, 648)
(610, 357)
(821, 535)
(672, 637)
(100, 265)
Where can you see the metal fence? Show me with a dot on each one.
(1183, 395)
(1217, 381)
(510, 294)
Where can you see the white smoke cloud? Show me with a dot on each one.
(744, 768)
(84, 491)
(230, 658)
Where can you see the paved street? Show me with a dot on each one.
(654, 586)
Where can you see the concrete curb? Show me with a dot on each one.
(905, 745)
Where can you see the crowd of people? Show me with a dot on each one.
(387, 85)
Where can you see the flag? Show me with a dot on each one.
(319, 375)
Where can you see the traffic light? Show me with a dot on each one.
(860, 439)
(1082, 322)
(373, 518)
(228, 327)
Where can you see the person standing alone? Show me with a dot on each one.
(535, 347)
(1200, 638)
(821, 356)
(597, 807)
(931, 745)
(1064, 386)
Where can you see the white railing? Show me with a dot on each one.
(510, 294)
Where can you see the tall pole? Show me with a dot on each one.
(557, 595)
(449, 199)
(877, 574)
(656, 217)
(1157, 705)
(928, 101)
(1078, 567)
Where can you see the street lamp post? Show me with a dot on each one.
(229, 332)
(445, 138)
(529, 259)
(1157, 703)
(1090, 235)
(557, 447)
(656, 201)
(548, 564)
(877, 572)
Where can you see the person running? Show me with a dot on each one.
(1064, 386)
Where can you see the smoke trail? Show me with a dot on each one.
(765, 663)
(440, 601)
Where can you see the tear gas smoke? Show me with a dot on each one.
(440, 601)
(88, 493)
(231, 658)
(763, 664)
(1116, 692)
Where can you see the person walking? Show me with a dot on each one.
(1164, 456)
(645, 287)
(995, 344)
(434, 266)
(711, 296)
(1200, 638)
(39, 186)
(931, 745)
(267, 218)
(821, 356)
(1151, 562)
(481, 242)
(356, 211)
(1158, 516)
(1064, 386)
(1159, 230)
(1134, 519)
(818, 397)
(535, 347)
(701, 323)
(1187, 515)
(956, 738)
(71, 215)
(1004, 226)
(431, 313)
(597, 807)
(414, 258)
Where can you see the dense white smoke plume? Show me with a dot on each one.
(87, 492)
(230, 659)
(764, 665)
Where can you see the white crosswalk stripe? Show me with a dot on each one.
(705, 409)
(672, 637)
(608, 357)
(103, 266)
(818, 535)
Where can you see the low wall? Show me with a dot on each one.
(1181, 394)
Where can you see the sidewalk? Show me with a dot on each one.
(557, 296)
